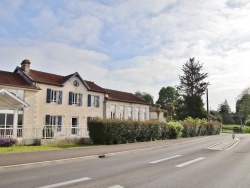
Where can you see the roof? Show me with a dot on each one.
(48, 78)
(14, 80)
(10, 101)
(94, 87)
(124, 97)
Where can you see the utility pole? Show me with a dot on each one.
(207, 105)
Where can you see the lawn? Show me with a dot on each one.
(18, 149)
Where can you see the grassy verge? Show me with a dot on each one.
(19, 149)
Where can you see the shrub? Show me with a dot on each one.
(7, 142)
(175, 130)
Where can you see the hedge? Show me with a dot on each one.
(110, 131)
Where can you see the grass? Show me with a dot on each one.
(20, 149)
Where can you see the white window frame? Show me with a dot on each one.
(137, 113)
(95, 100)
(144, 117)
(130, 112)
(54, 96)
(112, 111)
(122, 112)
(75, 98)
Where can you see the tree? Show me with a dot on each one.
(225, 112)
(146, 96)
(243, 107)
(192, 87)
(158, 110)
(168, 97)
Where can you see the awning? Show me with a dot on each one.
(9, 101)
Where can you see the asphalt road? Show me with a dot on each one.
(202, 163)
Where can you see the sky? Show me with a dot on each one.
(131, 45)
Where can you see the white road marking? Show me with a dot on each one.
(116, 186)
(66, 183)
(216, 144)
(153, 162)
(190, 162)
(238, 140)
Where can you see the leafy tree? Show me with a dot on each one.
(243, 107)
(168, 97)
(146, 96)
(225, 112)
(192, 87)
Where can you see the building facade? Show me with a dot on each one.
(64, 104)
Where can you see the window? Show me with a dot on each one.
(93, 100)
(122, 112)
(112, 111)
(144, 117)
(130, 113)
(55, 121)
(75, 98)
(76, 83)
(54, 96)
(137, 114)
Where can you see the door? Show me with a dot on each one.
(74, 128)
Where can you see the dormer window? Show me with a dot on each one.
(75, 83)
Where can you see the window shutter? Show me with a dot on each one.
(89, 100)
(70, 98)
(47, 119)
(60, 97)
(48, 95)
(97, 101)
(80, 99)
(59, 127)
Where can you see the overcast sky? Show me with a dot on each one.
(131, 45)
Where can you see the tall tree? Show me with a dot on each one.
(225, 112)
(243, 107)
(146, 96)
(168, 97)
(192, 87)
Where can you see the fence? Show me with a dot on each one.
(44, 132)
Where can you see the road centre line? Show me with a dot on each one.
(153, 162)
(66, 183)
(190, 162)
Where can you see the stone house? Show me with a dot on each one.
(63, 103)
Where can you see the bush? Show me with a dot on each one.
(7, 142)
(175, 130)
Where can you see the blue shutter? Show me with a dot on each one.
(70, 98)
(97, 101)
(59, 127)
(89, 100)
(47, 119)
(60, 97)
(48, 95)
(80, 99)
(88, 119)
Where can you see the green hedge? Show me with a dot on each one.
(108, 131)
(198, 127)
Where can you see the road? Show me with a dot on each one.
(193, 164)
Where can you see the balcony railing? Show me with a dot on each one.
(44, 132)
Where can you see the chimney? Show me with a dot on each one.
(26, 66)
